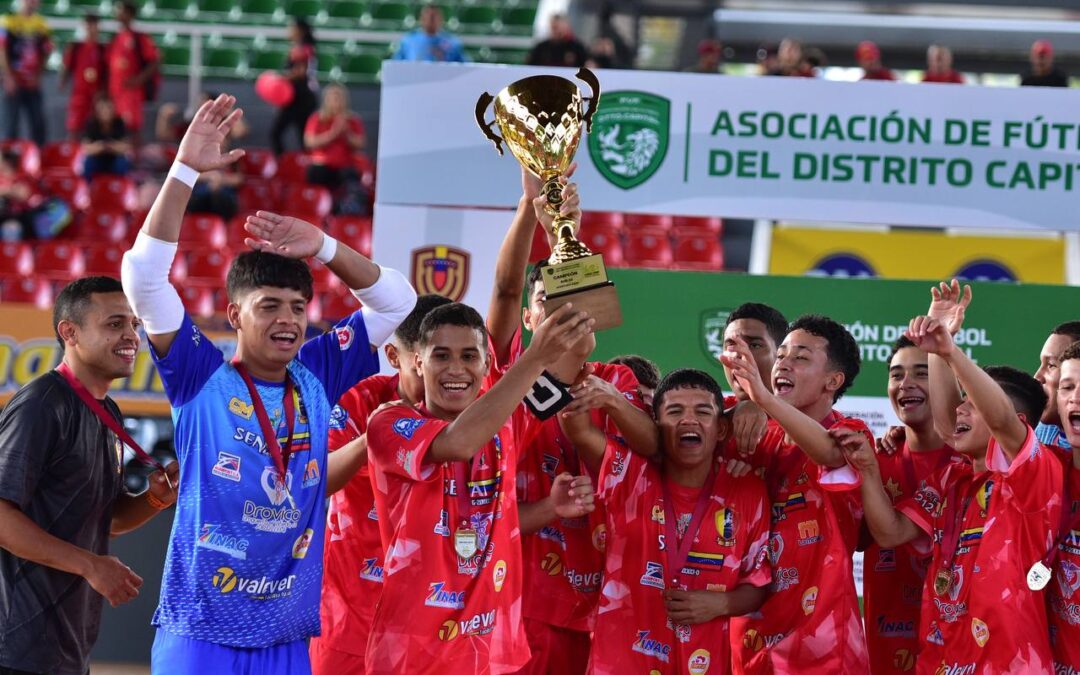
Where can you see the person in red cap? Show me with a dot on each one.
(710, 57)
(868, 56)
(939, 66)
(1043, 72)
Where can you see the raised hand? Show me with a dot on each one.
(745, 370)
(200, 148)
(572, 496)
(284, 235)
(857, 449)
(949, 303)
(559, 332)
(931, 336)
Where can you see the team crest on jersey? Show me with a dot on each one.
(682, 631)
(241, 408)
(957, 583)
(725, 526)
(643, 644)
(1068, 577)
(983, 497)
(886, 561)
(654, 575)
(338, 417)
(775, 547)
(371, 570)
(549, 465)
(227, 467)
(407, 426)
(311, 474)
(345, 335)
(658, 514)
(440, 269)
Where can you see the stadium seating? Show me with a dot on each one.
(16, 259)
(256, 194)
(58, 260)
(715, 225)
(353, 230)
(337, 304)
(292, 167)
(606, 241)
(29, 155)
(648, 246)
(102, 225)
(36, 291)
(207, 267)
(308, 199)
(64, 157)
(258, 163)
(697, 249)
(69, 187)
(113, 192)
(203, 232)
(635, 220)
(199, 301)
(104, 260)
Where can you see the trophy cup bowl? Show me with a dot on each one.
(541, 121)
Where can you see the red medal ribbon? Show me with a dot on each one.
(909, 466)
(106, 418)
(461, 482)
(951, 536)
(678, 550)
(280, 455)
(1068, 521)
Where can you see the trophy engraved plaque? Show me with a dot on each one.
(541, 120)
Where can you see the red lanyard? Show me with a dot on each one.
(951, 537)
(1068, 521)
(106, 418)
(909, 466)
(678, 550)
(279, 454)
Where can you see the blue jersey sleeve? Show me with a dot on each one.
(341, 357)
(191, 360)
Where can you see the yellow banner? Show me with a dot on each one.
(916, 255)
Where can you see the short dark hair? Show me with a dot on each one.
(453, 314)
(536, 275)
(1070, 328)
(90, 17)
(775, 322)
(1072, 352)
(686, 378)
(408, 332)
(1025, 392)
(75, 299)
(842, 350)
(130, 7)
(646, 372)
(253, 269)
(902, 342)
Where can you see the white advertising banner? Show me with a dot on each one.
(779, 148)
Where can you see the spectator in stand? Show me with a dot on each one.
(1043, 72)
(133, 70)
(26, 44)
(215, 192)
(106, 142)
(561, 48)
(430, 42)
(868, 56)
(710, 57)
(18, 196)
(333, 135)
(766, 59)
(602, 54)
(939, 66)
(790, 61)
(84, 68)
(300, 68)
(815, 60)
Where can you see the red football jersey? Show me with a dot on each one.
(1064, 600)
(440, 612)
(565, 559)
(353, 554)
(1008, 517)
(633, 633)
(811, 622)
(893, 577)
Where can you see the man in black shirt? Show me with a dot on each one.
(61, 490)
(1043, 72)
(561, 49)
(106, 143)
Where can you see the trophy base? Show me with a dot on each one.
(600, 301)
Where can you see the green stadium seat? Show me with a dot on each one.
(176, 58)
(478, 54)
(514, 57)
(345, 13)
(213, 11)
(270, 57)
(224, 60)
(391, 15)
(262, 11)
(477, 19)
(170, 10)
(360, 68)
(519, 20)
(329, 63)
(307, 9)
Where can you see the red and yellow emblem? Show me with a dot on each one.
(439, 269)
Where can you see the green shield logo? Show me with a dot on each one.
(711, 331)
(629, 137)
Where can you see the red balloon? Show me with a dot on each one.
(274, 88)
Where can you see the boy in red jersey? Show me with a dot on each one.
(893, 577)
(991, 522)
(811, 621)
(686, 542)
(1063, 597)
(445, 479)
(762, 328)
(353, 549)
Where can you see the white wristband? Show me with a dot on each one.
(184, 173)
(328, 250)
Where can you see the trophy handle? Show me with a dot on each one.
(482, 104)
(587, 76)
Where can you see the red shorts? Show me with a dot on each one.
(329, 661)
(555, 650)
(129, 106)
(79, 109)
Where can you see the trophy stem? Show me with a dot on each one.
(552, 191)
(568, 247)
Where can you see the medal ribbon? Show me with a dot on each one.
(1068, 521)
(465, 505)
(280, 455)
(107, 419)
(951, 537)
(909, 466)
(678, 550)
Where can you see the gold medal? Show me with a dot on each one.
(942, 582)
(465, 543)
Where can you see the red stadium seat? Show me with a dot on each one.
(114, 193)
(310, 199)
(292, 167)
(69, 187)
(29, 290)
(258, 163)
(365, 168)
(207, 266)
(700, 222)
(29, 155)
(647, 246)
(256, 194)
(338, 305)
(104, 260)
(314, 309)
(102, 226)
(697, 249)
(606, 241)
(16, 259)
(203, 230)
(59, 260)
(635, 220)
(198, 300)
(235, 232)
(353, 230)
(61, 157)
(591, 219)
(325, 280)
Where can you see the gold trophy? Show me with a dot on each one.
(541, 120)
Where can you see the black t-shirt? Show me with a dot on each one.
(1055, 78)
(96, 131)
(570, 53)
(64, 469)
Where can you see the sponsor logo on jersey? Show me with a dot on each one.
(270, 519)
(442, 528)
(643, 644)
(1068, 577)
(211, 537)
(658, 514)
(371, 570)
(654, 575)
(498, 575)
(373, 514)
(903, 660)
(886, 560)
(698, 663)
(438, 596)
(887, 627)
(955, 668)
(549, 465)
(311, 474)
(980, 631)
(553, 534)
(300, 546)
(227, 581)
(599, 537)
(276, 490)
(950, 612)
(478, 624)
(809, 533)
(785, 578)
(809, 600)
(584, 582)
(1071, 542)
(345, 335)
(448, 630)
(338, 417)
(407, 426)
(241, 408)
(227, 467)
(552, 564)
